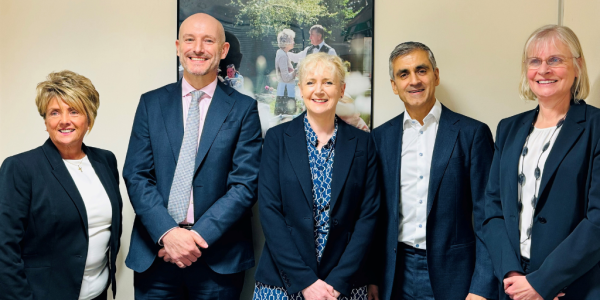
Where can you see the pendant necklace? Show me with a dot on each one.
(78, 165)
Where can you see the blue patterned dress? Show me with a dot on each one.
(321, 168)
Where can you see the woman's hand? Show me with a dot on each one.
(372, 292)
(319, 291)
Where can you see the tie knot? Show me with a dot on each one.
(196, 95)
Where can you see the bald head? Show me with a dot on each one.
(203, 20)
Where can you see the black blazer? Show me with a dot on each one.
(458, 261)
(286, 210)
(43, 224)
(565, 244)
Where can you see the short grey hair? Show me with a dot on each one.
(406, 48)
(311, 62)
(551, 34)
(285, 37)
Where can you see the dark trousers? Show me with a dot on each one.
(167, 281)
(411, 280)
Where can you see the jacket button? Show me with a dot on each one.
(394, 250)
(542, 220)
(335, 222)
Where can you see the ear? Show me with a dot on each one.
(437, 76)
(394, 87)
(343, 89)
(177, 47)
(224, 50)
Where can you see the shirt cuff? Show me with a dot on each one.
(162, 236)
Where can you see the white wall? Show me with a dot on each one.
(127, 48)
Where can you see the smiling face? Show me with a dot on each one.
(554, 82)
(415, 80)
(65, 125)
(230, 72)
(201, 46)
(321, 90)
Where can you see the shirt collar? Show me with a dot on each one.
(321, 44)
(311, 136)
(208, 90)
(433, 115)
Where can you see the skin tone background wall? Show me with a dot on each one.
(127, 48)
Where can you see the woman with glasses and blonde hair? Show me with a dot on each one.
(60, 206)
(542, 226)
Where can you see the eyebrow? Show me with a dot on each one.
(419, 67)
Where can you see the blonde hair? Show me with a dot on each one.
(75, 90)
(310, 63)
(551, 33)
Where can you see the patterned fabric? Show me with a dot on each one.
(268, 292)
(179, 196)
(321, 168)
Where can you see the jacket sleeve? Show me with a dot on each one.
(15, 201)
(359, 243)
(140, 178)
(377, 251)
(483, 282)
(495, 236)
(294, 271)
(241, 182)
(580, 251)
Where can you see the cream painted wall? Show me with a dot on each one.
(127, 48)
(582, 17)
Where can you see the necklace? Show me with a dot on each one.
(77, 164)
(537, 174)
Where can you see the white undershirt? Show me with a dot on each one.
(535, 144)
(417, 151)
(99, 215)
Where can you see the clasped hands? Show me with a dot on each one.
(320, 290)
(517, 287)
(182, 247)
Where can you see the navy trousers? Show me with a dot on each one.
(167, 281)
(411, 280)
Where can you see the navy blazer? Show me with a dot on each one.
(286, 210)
(457, 258)
(44, 225)
(565, 243)
(224, 183)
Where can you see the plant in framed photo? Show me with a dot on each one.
(268, 38)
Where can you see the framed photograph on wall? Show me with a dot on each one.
(269, 38)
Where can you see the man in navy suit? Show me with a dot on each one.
(191, 173)
(434, 165)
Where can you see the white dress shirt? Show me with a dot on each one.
(536, 142)
(418, 142)
(99, 216)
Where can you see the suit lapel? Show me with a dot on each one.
(295, 145)
(393, 150)
(512, 155)
(172, 110)
(345, 145)
(219, 108)
(62, 175)
(445, 139)
(568, 135)
(109, 185)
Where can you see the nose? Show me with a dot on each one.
(65, 119)
(413, 79)
(544, 68)
(198, 47)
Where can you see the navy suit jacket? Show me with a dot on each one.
(565, 243)
(286, 210)
(457, 258)
(224, 183)
(44, 225)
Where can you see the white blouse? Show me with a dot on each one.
(535, 145)
(99, 215)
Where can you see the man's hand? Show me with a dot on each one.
(319, 291)
(474, 297)
(518, 288)
(372, 292)
(182, 247)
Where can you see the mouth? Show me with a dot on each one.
(320, 100)
(416, 91)
(66, 130)
(201, 59)
(546, 81)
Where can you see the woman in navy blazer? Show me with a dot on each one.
(317, 196)
(542, 225)
(60, 206)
